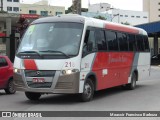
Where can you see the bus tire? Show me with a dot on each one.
(32, 96)
(88, 91)
(132, 85)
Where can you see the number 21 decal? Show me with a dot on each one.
(69, 64)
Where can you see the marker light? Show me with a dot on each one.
(69, 71)
(17, 70)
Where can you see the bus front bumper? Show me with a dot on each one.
(66, 84)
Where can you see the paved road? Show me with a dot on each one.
(144, 98)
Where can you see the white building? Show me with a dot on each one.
(11, 6)
(94, 15)
(129, 17)
(101, 7)
(41, 8)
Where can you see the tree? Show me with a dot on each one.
(22, 26)
(69, 10)
(100, 17)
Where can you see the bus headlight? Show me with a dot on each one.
(17, 70)
(69, 71)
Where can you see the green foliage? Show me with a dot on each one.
(3, 12)
(100, 17)
(125, 23)
(71, 8)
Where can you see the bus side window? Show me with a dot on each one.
(132, 42)
(146, 43)
(89, 42)
(123, 41)
(140, 44)
(112, 41)
(100, 39)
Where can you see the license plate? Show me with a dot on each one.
(38, 80)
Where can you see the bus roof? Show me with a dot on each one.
(91, 22)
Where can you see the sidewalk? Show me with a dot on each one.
(155, 67)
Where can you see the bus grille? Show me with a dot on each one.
(40, 73)
(64, 85)
(39, 85)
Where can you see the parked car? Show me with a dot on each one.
(6, 75)
(155, 59)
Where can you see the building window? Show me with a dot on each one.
(9, 0)
(121, 15)
(132, 16)
(137, 16)
(158, 15)
(44, 13)
(58, 13)
(145, 17)
(126, 15)
(159, 3)
(16, 9)
(32, 11)
(9, 8)
(15, 0)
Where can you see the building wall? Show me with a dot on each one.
(153, 8)
(146, 5)
(130, 17)
(93, 14)
(102, 7)
(10, 4)
(42, 2)
(52, 10)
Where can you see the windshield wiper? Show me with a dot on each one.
(31, 52)
(53, 51)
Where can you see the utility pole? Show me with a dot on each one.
(1, 5)
(76, 7)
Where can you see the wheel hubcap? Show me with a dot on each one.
(87, 90)
(11, 87)
(134, 82)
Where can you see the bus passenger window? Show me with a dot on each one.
(123, 41)
(89, 42)
(100, 38)
(146, 43)
(132, 42)
(112, 41)
(140, 44)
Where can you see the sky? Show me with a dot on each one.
(119, 4)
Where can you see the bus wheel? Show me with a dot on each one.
(88, 91)
(32, 96)
(132, 85)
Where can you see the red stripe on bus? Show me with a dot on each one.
(30, 64)
(117, 65)
(121, 28)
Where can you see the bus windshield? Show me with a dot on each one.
(52, 37)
